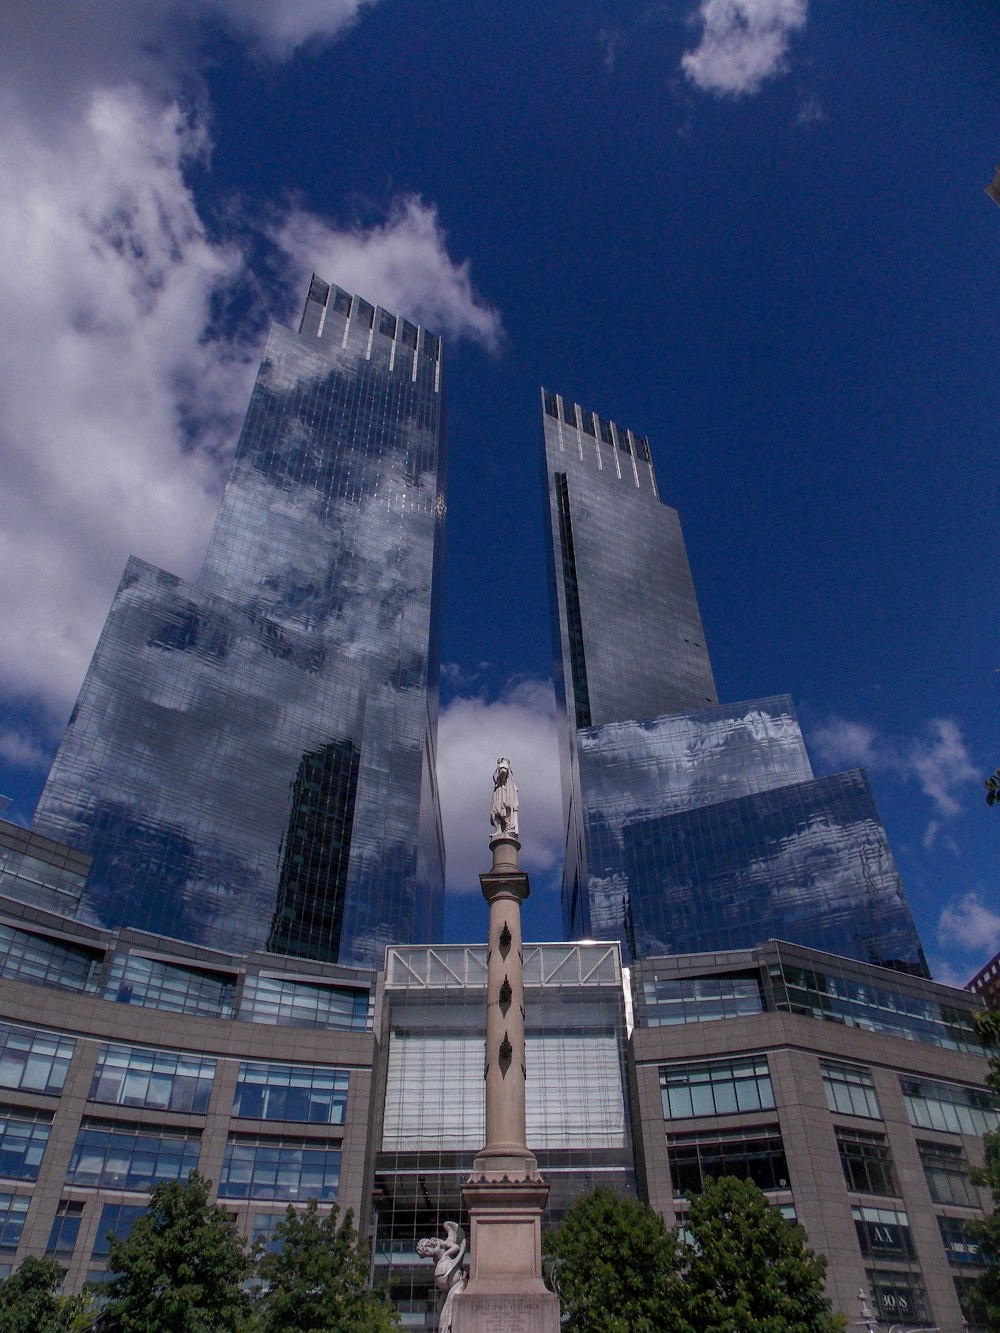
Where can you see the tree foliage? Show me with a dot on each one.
(182, 1267)
(984, 1295)
(316, 1282)
(749, 1268)
(618, 1267)
(741, 1267)
(30, 1301)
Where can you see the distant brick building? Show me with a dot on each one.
(986, 983)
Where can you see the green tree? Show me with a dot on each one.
(30, 1301)
(617, 1267)
(181, 1268)
(984, 1295)
(316, 1282)
(749, 1269)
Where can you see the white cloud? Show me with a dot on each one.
(743, 43)
(22, 750)
(113, 403)
(471, 734)
(941, 763)
(937, 759)
(930, 833)
(810, 113)
(970, 925)
(153, 43)
(282, 25)
(841, 742)
(945, 972)
(119, 399)
(402, 264)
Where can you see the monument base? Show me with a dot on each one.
(505, 1293)
(506, 1312)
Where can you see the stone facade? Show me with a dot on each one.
(854, 1096)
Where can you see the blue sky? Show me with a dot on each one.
(754, 230)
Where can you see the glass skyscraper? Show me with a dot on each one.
(691, 826)
(250, 763)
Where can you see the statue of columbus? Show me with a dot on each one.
(503, 807)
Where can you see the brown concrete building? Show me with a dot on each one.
(853, 1095)
(126, 1059)
(860, 1125)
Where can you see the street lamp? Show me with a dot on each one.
(867, 1320)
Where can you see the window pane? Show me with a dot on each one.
(123, 1158)
(715, 1088)
(310, 1094)
(139, 1076)
(850, 1090)
(279, 1169)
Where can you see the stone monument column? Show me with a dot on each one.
(505, 1195)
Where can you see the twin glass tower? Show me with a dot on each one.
(251, 761)
(691, 826)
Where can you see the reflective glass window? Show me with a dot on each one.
(875, 1008)
(867, 1162)
(155, 984)
(65, 1229)
(883, 1233)
(262, 1168)
(550, 404)
(13, 1211)
(569, 413)
(117, 1156)
(23, 1136)
(700, 999)
(961, 1246)
(850, 1090)
(117, 1220)
(758, 1156)
(34, 1061)
(434, 1092)
(898, 1295)
(291, 1092)
(305, 1004)
(25, 956)
(947, 1174)
(953, 1107)
(716, 1088)
(264, 1232)
(33, 870)
(319, 290)
(141, 1076)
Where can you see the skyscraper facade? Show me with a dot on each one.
(691, 825)
(250, 763)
